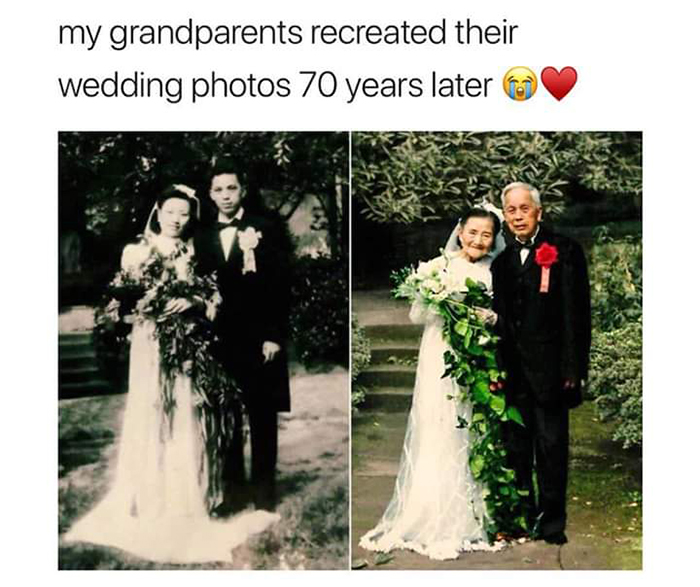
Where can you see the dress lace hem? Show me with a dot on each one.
(436, 550)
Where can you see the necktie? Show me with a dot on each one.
(235, 223)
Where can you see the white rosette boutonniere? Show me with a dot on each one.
(248, 240)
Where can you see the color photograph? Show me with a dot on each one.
(497, 350)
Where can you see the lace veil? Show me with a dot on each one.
(148, 231)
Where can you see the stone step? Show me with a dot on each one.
(78, 374)
(386, 333)
(388, 376)
(68, 340)
(77, 361)
(395, 353)
(392, 316)
(76, 351)
(387, 399)
(85, 388)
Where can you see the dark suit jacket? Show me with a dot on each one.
(255, 309)
(546, 337)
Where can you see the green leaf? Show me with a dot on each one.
(476, 464)
(467, 338)
(507, 476)
(497, 403)
(462, 327)
(475, 349)
(383, 558)
(481, 392)
(514, 415)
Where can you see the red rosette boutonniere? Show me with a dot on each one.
(546, 255)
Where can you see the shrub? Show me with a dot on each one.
(616, 281)
(319, 312)
(361, 356)
(616, 380)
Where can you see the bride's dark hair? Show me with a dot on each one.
(169, 193)
(481, 213)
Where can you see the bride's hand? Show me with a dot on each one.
(488, 317)
(177, 306)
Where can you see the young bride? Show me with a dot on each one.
(438, 508)
(159, 500)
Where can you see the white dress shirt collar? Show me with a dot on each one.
(237, 216)
(525, 252)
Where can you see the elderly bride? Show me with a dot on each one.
(437, 508)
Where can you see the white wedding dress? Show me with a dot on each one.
(437, 508)
(156, 505)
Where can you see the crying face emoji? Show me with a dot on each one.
(520, 83)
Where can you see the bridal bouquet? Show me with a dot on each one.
(471, 363)
(185, 340)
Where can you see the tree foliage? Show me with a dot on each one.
(319, 311)
(616, 354)
(361, 358)
(407, 176)
(616, 380)
(108, 181)
(616, 280)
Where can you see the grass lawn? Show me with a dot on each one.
(605, 491)
(312, 479)
(604, 500)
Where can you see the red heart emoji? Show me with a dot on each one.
(559, 83)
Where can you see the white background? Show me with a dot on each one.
(635, 73)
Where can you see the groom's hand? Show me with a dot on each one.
(488, 317)
(270, 350)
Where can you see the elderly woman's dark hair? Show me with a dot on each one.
(174, 191)
(481, 213)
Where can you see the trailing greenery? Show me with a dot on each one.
(319, 311)
(471, 363)
(185, 342)
(361, 356)
(410, 176)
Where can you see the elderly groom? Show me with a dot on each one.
(542, 299)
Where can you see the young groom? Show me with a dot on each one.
(542, 299)
(248, 256)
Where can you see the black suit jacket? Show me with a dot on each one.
(546, 337)
(255, 309)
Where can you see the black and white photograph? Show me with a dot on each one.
(497, 350)
(203, 397)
